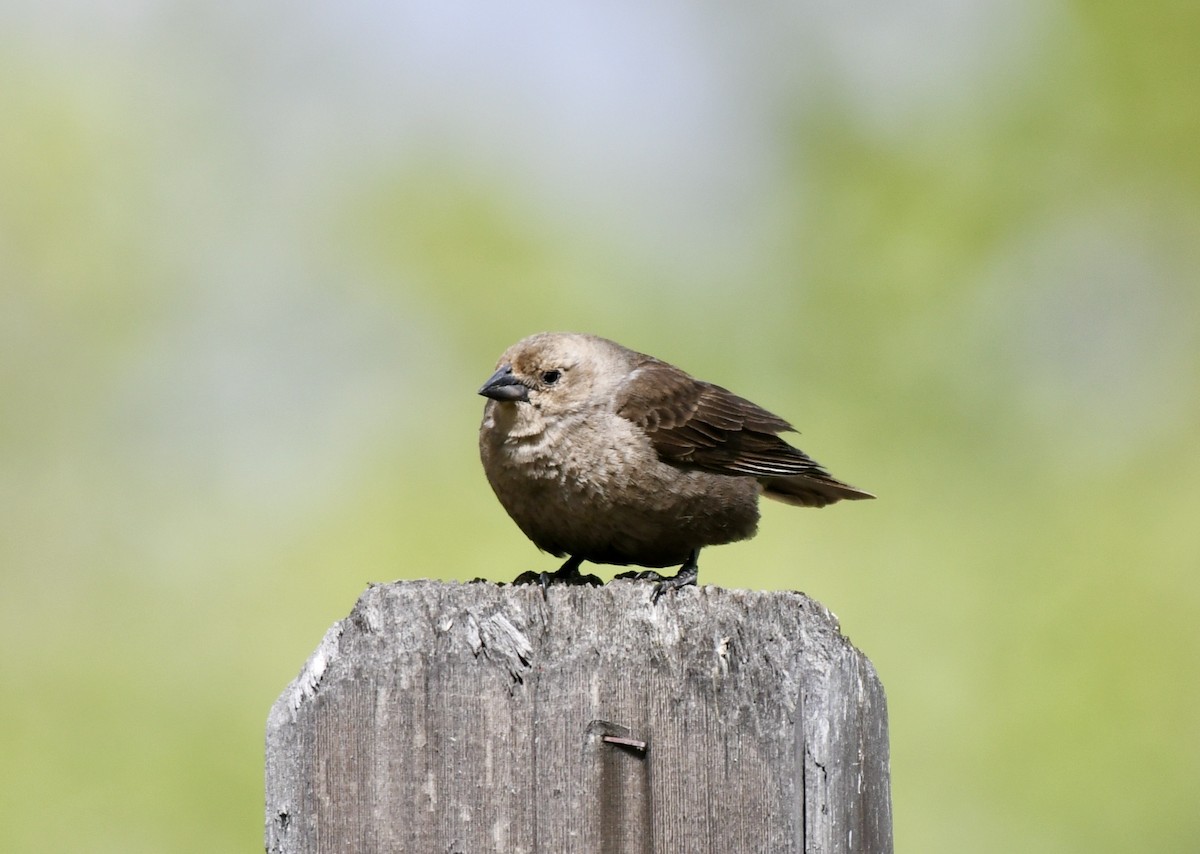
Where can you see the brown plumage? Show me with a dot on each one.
(604, 454)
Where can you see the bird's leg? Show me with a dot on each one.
(569, 573)
(687, 575)
(564, 573)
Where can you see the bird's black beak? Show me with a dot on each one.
(502, 385)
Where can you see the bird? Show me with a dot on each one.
(603, 454)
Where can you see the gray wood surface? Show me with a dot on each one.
(463, 718)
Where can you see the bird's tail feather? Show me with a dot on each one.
(809, 491)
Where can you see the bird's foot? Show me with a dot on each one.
(531, 577)
(575, 578)
(568, 573)
(686, 576)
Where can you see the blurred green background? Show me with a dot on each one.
(256, 259)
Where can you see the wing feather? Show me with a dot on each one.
(695, 424)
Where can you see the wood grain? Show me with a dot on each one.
(464, 718)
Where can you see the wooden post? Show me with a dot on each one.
(467, 718)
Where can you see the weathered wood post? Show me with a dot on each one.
(466, 718)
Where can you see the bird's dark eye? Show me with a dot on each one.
(551, 377)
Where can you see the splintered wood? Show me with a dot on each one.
(469, 718)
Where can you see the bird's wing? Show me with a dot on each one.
(696, 424)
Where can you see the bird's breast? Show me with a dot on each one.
(593, 486)
(580, 452)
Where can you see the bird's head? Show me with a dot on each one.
(557, 372)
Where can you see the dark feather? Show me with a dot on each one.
(695, 424)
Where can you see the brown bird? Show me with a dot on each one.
(603, 454)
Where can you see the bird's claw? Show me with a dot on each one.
(568, 573)
(685, 577)
(662, 583)
(531, 577)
